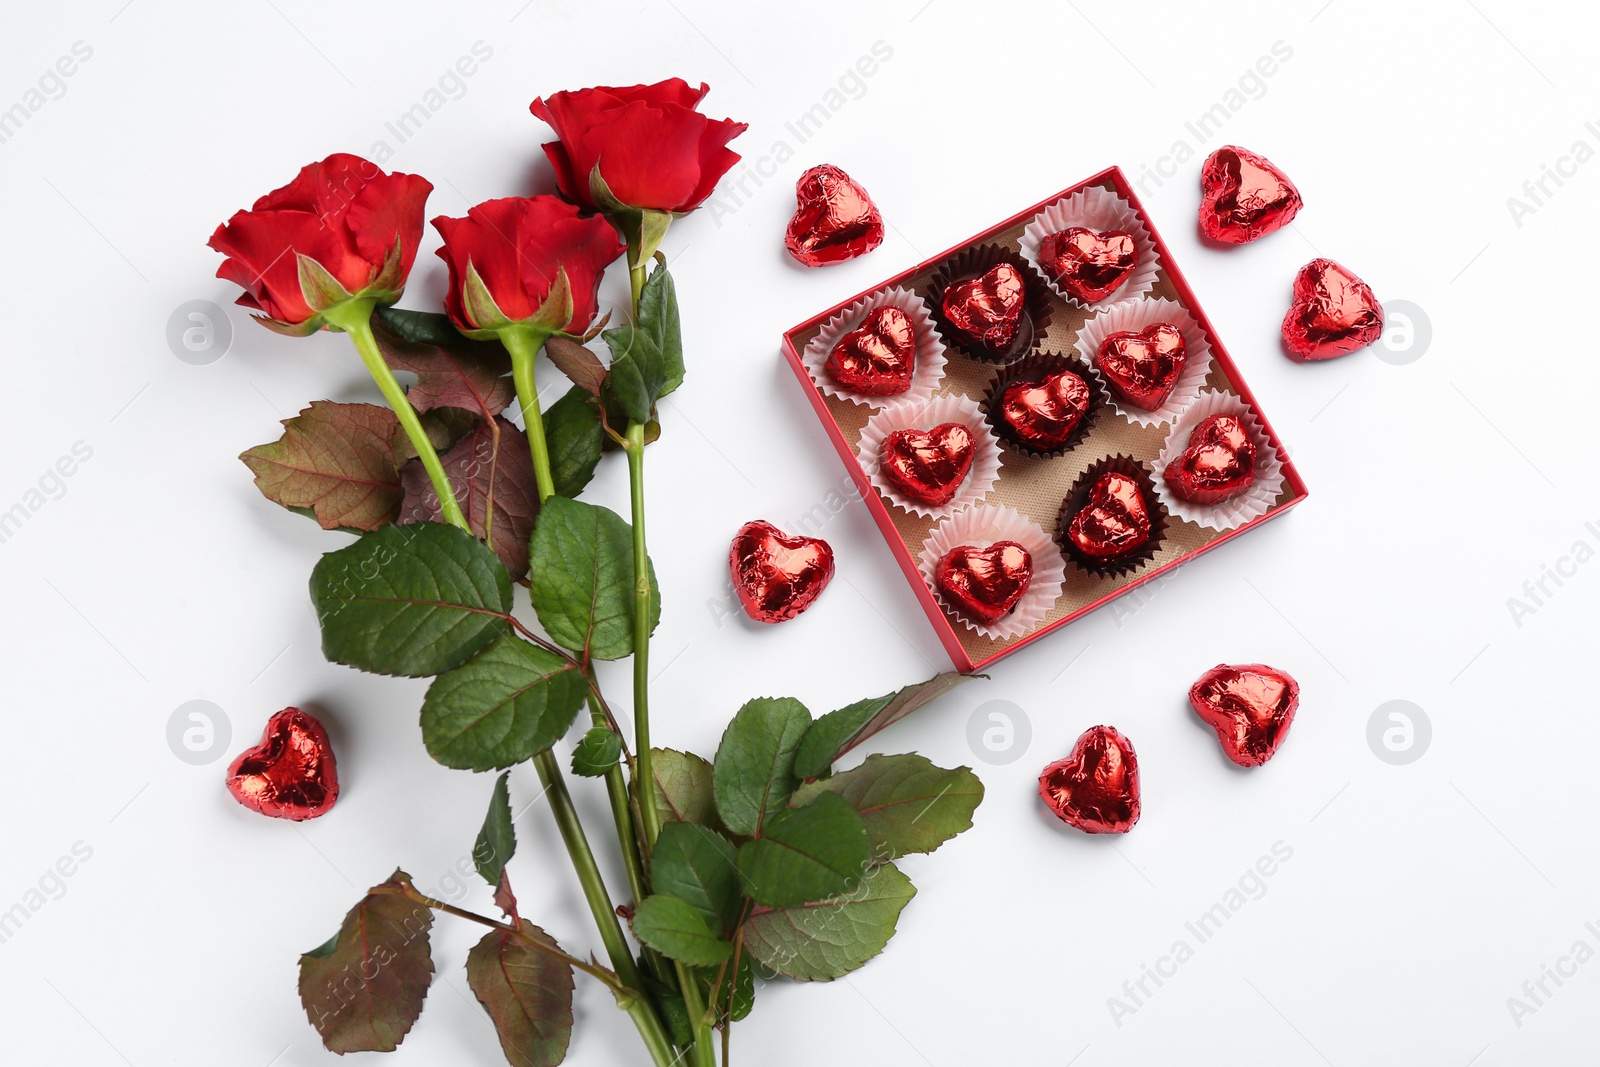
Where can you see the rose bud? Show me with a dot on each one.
(352, 228)
(532, 261)
(643, 147)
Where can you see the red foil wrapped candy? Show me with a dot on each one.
(1096, 788)
(777, 576)
(1333, 313)
(291, 774)
(1043, 414)
(984, 583)
(1250, 706)
(986, 312)
(928, 465)
(1243, 196)
(1088, 264)
(1115, 521)
(834, 218)
(1218, 464)
(1142, 368)
(877, 358)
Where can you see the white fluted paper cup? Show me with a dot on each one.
(1255, 501)
(1095, 208)
(1134, 316)
(925, 415)
(982, 527)
(930, 358)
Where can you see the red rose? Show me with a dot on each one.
(518, 246)
(654, 150)
(361, 225)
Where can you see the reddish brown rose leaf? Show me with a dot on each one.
(339, 460)
(491, 472)
(527, 992)
(462, 373)
(364, 988)
(577, 363)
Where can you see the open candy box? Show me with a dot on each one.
(1041, 419)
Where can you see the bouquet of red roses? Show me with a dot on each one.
(763, 860)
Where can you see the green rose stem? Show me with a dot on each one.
(524, 343)
(354, 318)
(703, 1052)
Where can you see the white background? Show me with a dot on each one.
(1418, 898)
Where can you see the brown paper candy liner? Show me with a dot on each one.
(1078, 497)
(1035, 368)
(973, 262)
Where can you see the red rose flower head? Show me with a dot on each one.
(639, 148)
(533, 260)
(343, 228)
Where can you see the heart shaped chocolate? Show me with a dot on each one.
(1088, 264)
(986, 312)
(834, 218)
(1218, 464)
(1043, 414)
(1250, 706)
(878, 357)
(928, 465)
(1096, 788)
(984, 584)
(1114, 522)
(1333, 313)
(291, 774)
(777, 576)
(1143, 367)
(1243, 196)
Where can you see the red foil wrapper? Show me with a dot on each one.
(1218, 464)
(834, 218)
(1243, 196)
(928, 465)
(777, 576)
(1333, 313)
(1142, 368)
(1096, 788)
(1250, 706)
(986, 311)
(1114, 523)
(291, 774)
(878, 357)
(985, 583)
(1089, 264)
(1044, 414)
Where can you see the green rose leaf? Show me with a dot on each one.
(669, 1002)
(677, 930)
(744, 987)
(807, 854)
(498, 838)
(527, 992)
(755, 762)
(575, 438)
(839, 731)
(410, 600)
(341, 461)
(364, 988)
(597, 752)
(508, 703)
(683, 790)
(658, 317)
(698, 866)
(822, 941)
(638, 371)
(581, 580)
(908, 804)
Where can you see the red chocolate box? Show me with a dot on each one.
(1033, 488)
